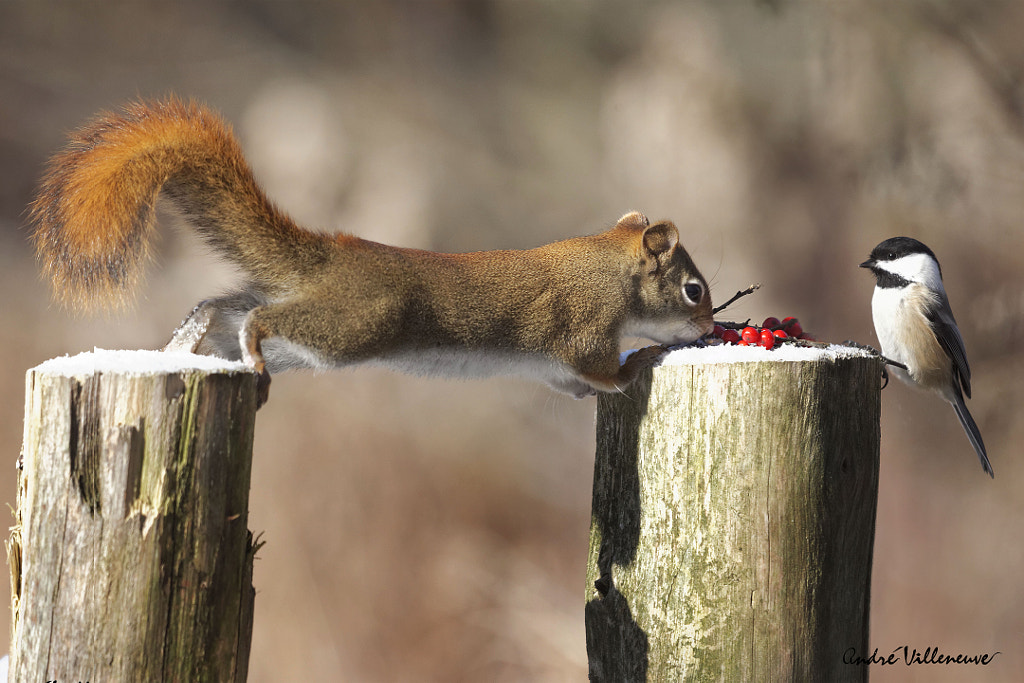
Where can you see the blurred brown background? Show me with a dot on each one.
(427, 530)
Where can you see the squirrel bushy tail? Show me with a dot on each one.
(95, 211)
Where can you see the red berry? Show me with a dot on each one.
(767, 339)
(742, 343)
(770, 322)
(792, 327)
(781, 334)
(731, 336)
(718, 331)
(751, 335)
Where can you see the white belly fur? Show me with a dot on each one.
(461, 363)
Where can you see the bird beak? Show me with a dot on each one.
(867, 264)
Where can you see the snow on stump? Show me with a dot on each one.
(733, 517)
(131, 557)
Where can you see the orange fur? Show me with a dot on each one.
(556, 312)
(95, 210)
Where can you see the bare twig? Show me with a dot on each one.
(864, 347)
(872, 349)
(730, 325)
(738, 295)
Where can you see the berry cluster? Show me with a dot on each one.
(767, 335)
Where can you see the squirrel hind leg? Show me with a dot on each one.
(193, 330)
(211, 329)
(300, 333)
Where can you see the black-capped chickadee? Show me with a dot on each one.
(915, 327)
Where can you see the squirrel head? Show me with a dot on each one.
(671, 300)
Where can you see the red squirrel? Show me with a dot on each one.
(312, 299)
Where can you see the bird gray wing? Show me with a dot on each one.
(940, 317)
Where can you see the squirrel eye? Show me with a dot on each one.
(694, 292)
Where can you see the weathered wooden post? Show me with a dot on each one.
(733, 518)
(131, 558)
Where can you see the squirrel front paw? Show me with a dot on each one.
(647, 357)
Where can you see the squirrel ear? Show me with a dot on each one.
(634, 219)
(659, 238)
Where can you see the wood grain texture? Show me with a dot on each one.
(733, 522)
(131, 557)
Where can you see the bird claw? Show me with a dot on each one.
(876, 352)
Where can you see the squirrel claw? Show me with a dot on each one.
(262, 388)
(649, 356)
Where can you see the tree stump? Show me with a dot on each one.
(131, 559)
(733, 518)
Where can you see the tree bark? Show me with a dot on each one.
(131, 557)
(733, 522)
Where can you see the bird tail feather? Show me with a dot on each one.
(973, 433)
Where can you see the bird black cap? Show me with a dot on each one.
(896, 247)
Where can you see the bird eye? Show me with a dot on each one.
(694, 292)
